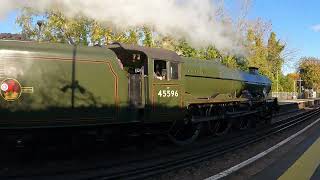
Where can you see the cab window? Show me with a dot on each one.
(160, 70)
(174, 70)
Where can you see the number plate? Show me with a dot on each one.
(168, 93)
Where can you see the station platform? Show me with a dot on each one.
(296, 104)
(301, 162)
(296, 157)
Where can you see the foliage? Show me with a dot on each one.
(79, 30)
(267, 57)
(262, 53)
(287, 84)
(209, 53)
(148, 38)
(58, 28)
(184, 49)
(257, 52)
(309, 68)
(274, 48)
(25, 21)
(100, 35)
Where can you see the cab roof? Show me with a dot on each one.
(154, 53)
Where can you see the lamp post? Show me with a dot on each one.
(40, 24)
(277, 84)
(300, 87)
(294, 89)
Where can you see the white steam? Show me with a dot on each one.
(193, 20)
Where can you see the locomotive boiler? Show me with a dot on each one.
(125, 88)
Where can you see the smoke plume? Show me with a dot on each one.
(193, 20)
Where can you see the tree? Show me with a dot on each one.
(25, 21)
(209, 53)
(78, 30)
(287, 83)
(184, 49)
(267, 55)
(148, 38)
(59, 28)
(291, 84)
(274, 59)
(132, 36)
(309, 68)
(100, 35)
(257, 52)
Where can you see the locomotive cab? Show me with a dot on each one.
(135, 63)
(155, 79)
(167, 89)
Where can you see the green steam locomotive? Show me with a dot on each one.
(47, 86)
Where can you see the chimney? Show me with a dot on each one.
(254, 70)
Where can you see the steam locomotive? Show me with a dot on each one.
(125, 88)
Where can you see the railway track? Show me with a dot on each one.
(199, 156)
(178, 159)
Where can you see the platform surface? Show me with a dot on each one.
(291, 101)
(300, 163)
(298, 100)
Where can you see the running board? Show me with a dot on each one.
(197, 119)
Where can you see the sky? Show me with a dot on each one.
(8, 24)
(295, 22)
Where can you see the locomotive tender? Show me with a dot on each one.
(48, 86)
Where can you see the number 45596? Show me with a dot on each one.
(168, 93)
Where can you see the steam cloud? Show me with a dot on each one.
(193, 20)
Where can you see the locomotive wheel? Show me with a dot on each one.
(220, 127)
(184, 132)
